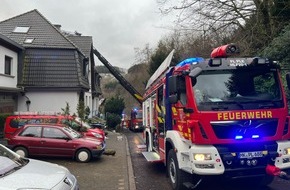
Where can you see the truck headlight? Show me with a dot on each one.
(201, 156)
(286, 151)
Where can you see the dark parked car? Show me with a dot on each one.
(55, 141)
(98, 126)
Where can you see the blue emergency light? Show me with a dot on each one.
(193, 60)
(255, 136)
(239, 137)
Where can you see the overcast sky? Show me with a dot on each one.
(117, 26)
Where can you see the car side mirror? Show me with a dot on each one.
(66, 138)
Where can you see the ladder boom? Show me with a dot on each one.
(119, 77)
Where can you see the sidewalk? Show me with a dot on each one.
(122, 170)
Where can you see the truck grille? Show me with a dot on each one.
(247, 128)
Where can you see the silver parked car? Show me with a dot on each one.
(17, 173)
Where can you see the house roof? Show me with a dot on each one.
(10, 43)
(51, 59)
(83, 42)
(43, 33)
(50, 68)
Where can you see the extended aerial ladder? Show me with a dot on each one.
(119, 77)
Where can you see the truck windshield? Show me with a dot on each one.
(238, 89)
(139, 115)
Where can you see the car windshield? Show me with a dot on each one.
(237, 89)
(74, 134)
(82, 123)
(10, 161)
(76, 124)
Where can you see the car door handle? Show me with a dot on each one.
(42, 142)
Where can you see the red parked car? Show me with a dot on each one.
(84, 128)
(55, 141)
(13, 122)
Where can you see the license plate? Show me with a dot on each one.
(255, 154)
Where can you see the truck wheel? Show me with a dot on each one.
(21, 151)
(176, 176)
(267, 180)
(83, 155)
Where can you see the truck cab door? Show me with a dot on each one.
(159, 135)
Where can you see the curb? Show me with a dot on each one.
(131, 177)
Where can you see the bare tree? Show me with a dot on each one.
(142, 55)
(216, 17)
(209, 15)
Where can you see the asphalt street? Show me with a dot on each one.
(127, 169)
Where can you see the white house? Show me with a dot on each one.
(10, 56)
(55, 68)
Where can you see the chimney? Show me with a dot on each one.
(58, 26)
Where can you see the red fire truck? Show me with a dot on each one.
(224, 116)
(136, 121)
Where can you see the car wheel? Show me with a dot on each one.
(21, 151)
(83, 155)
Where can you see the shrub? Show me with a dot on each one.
(2, 121)
(113, 120)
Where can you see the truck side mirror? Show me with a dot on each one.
(172, 85)
(173, 89)
(288, 80)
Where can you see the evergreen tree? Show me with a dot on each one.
(115, 105)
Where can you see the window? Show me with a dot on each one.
(238, 89)
(160, 110)
(8, 65)
(28, 40)
(21, 29)
(34, 131)
(20, 122)
(85, 67)
(182, 88)
(53, 133)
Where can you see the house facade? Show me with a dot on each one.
(92, 97)
(10, 55)
(53, 70)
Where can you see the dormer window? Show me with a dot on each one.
(86, 66)
(28, 40)
(21, 29)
